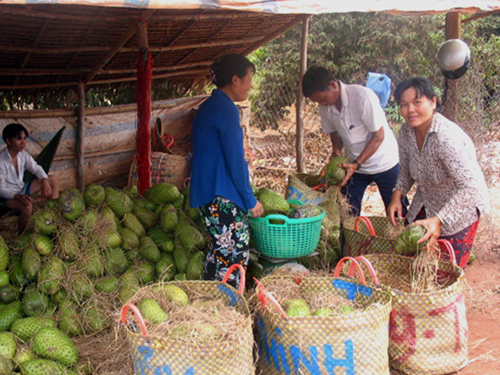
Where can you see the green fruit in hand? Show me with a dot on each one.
(406, 242)
(334, 173)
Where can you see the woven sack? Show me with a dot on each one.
(300, 186)
(362, 235)
(173, 169)
(354, 343)
(162, 355)
(428, 331)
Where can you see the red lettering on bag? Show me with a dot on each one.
(452, 307)
(405, 336)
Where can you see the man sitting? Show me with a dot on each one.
(14, 193)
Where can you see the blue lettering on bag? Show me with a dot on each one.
(293, 193)
(233, 298)
(141, 363)
(347, 362)
(299, 358)
(352, 288)
(273, 350)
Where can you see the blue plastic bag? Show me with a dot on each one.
(381, 85)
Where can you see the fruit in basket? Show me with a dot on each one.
(176, 295)
(152, 311)
(297, 307)
(325, 311)
(334, 173)
(346, 309)
(272, 202)
(406, 242)
(307, 210)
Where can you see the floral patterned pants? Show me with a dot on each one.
(228, 237)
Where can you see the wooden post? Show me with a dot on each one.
(144, 83)
(299, 137)
(450, 92)
(80, 137)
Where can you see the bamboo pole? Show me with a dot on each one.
(80, 137)
(299, 135)
(451, 87)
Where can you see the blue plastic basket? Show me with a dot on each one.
(278, 236)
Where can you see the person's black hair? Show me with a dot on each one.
(13, 131)
(316, 79)
(423, 86)
(228, 66)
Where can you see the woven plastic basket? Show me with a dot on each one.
(278, 236)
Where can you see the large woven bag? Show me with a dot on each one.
(428, 331)
(366, 235)
(353, 343)
(162, 355)
(301, 187)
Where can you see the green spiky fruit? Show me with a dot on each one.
(51, 275)
(181, 259)
(108, 218)
(45, 367)
(148, 250)
(69, 319)
(50, 343)
(6, 365)
(34, 302)
(43, 244)
(152, 311)
(71, 204)
(4, 278)
(96, 319)
(406, 242)
(45, 222)
(178, 203)
(129, 238)
(335, 174)
(26, 328)
(116, 261)
(93, 263)
(272, 201)
(4, 255)
(180, 277)
(194, 270)
(113, 239)
(7, 345)
(107, 284)
(9, 314)
(146, 272)
(165, 267)
(9, 293)
(17, 276)
(94, 195)
(119, 202)
(325, 311)
(31, 262)
(168, 218)
(87, 221)
(69, 245)
(24, 354)
(81, 287)
(190, 237)
(298, 310)
(131, 222)
(163, 193)
(345, 309)
(146, 217)
(162, 239)
(176, 294)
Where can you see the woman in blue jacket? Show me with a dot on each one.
(220, 184)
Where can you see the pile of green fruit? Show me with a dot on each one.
(86, 254)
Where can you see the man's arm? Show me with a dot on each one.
(337, 144)
(370, 148)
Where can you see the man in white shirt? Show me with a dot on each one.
(355, 120)
(14, 193)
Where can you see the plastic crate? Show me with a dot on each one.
(278, 236)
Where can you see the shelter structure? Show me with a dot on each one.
(48, 47)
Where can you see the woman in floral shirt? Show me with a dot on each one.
(438, 156)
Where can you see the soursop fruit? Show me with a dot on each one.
(131, 222)
(146, 272)
(107, 284)
(9, 314)
(194, 270)
(163, 193)
(31, 262)
(87, 221)
(119, 202)
(152, 311)
(116, 261)
(406, 242)
(148, 250)
(176, 294)
(8, 345)
(34, 302)
(71, 204)
(45, 222)
(335, 174)
(45, 367)
(26, 328)
(94, 195)
(145, 216)
(4, 255)
(51, 274)
(162, 239)
(129, 239)
(51, 343)
(69, 245)
(272, 202)
(165, 267)
(168, 218)
(43, 244)
(190, 237)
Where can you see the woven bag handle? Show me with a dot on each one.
(338, 269)
(138, 317)
(446, 245)
(243, 277)
(266, 298)
(368, 224)
(169, 140)
(367, 263)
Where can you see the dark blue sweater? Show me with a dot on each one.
(218, 166)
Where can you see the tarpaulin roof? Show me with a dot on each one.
(47, 44)
(291, 6)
